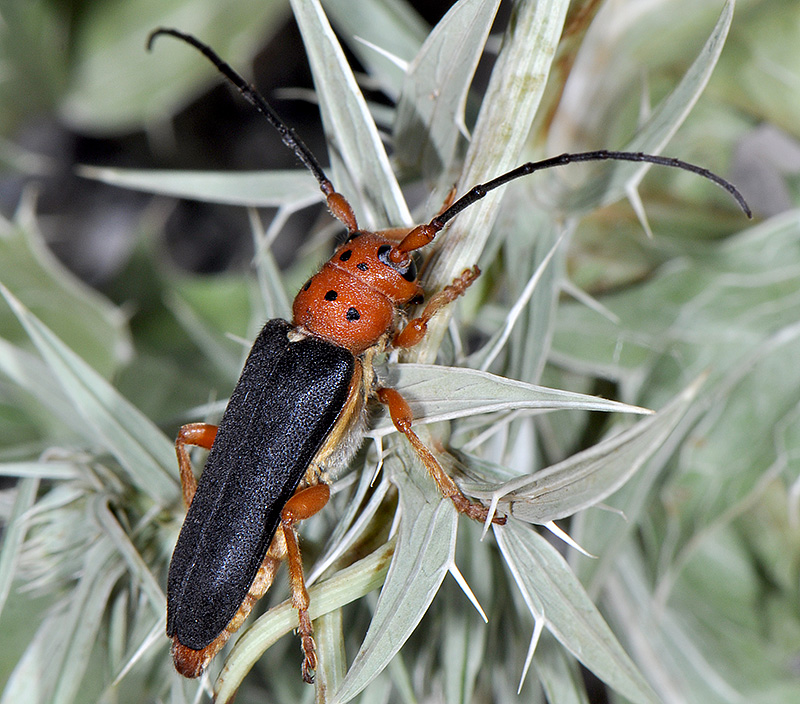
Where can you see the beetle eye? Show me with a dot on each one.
(407, 271)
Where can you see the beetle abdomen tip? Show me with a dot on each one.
(189, 662)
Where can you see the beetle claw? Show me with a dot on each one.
(309, 649)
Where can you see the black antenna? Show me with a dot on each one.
(424, 234)
(479, 191)
(290, 139)
(342, 210)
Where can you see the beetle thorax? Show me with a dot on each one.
(353, 299)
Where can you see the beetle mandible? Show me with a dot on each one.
(298, 410)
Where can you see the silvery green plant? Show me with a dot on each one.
(655, 550)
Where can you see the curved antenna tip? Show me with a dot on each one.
(151, 38)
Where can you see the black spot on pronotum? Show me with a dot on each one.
(307, 285)
(352, 315)
(331, 295)
(344, 256)
(362, 266)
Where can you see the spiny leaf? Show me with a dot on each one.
(140, 447)
(425, 549)
(586, 478)
(546, 579)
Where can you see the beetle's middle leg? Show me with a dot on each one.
(304, 504)
(201, 435)
(402, 419)
(400, 411)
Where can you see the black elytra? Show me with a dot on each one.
(260, 454)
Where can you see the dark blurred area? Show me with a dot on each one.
(91, 226)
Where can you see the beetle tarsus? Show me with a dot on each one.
(475, 511)
(308, 647)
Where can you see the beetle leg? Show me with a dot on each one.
(415, 329)
(402, 419)
(302, 505)
(202, 435)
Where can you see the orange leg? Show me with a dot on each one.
(302, 505)
(402, 419)
(415, 330)
(201, 435)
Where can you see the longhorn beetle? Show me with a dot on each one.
(297, 412)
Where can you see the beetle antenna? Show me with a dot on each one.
(479, 191)
(288, 135)
(341, 209)
(424, 234)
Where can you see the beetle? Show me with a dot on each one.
(298, 410)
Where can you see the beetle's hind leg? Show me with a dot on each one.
(302, 505)
(201, 435)
(402, 419)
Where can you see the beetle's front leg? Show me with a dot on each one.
(302, 505)
(415, 330)
(201, 435)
